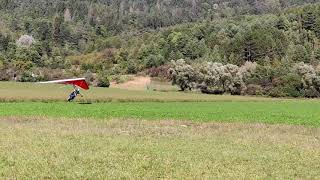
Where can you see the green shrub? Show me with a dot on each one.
(311, 93)
(103, 81)
(292, 85)
(253, 89)
(28, 76)
(292, 92)
(277, 92)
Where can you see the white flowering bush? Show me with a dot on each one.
(229, 77)
(307, 73)
(217, 78)
(309, 78)
(211, 76)
(183, 75)
(25, 40)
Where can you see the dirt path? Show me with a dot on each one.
(138, 83)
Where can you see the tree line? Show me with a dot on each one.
(294, 80)
(47, 39)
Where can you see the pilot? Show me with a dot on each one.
(74, 94)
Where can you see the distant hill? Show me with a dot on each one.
(129, 36)
(121, 15)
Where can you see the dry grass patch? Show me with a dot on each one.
(12, 91)
(72, 149)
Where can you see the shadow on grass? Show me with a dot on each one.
(84, 103)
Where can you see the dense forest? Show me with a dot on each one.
(266, 47)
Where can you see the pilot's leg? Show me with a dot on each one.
(71, 97)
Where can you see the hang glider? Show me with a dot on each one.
(80, 82)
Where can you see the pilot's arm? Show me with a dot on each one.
(80, 94)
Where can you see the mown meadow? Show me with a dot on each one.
(55, 148)
(281, 112)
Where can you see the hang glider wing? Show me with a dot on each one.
(80, 82)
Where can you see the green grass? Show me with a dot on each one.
(154, 135)
(121, 149)
(288, 112)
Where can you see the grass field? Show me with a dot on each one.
(121, 149)
(125, 134)
(285, 112)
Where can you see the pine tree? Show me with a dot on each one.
(317, 56)
(57, 29)
(317, 27)
(309, 20)
(300, 54)
(249, 48)
(4, 42)
(282, 23)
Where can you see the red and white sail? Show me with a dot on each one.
(80, 82)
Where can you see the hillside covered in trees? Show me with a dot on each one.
(48, 39)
